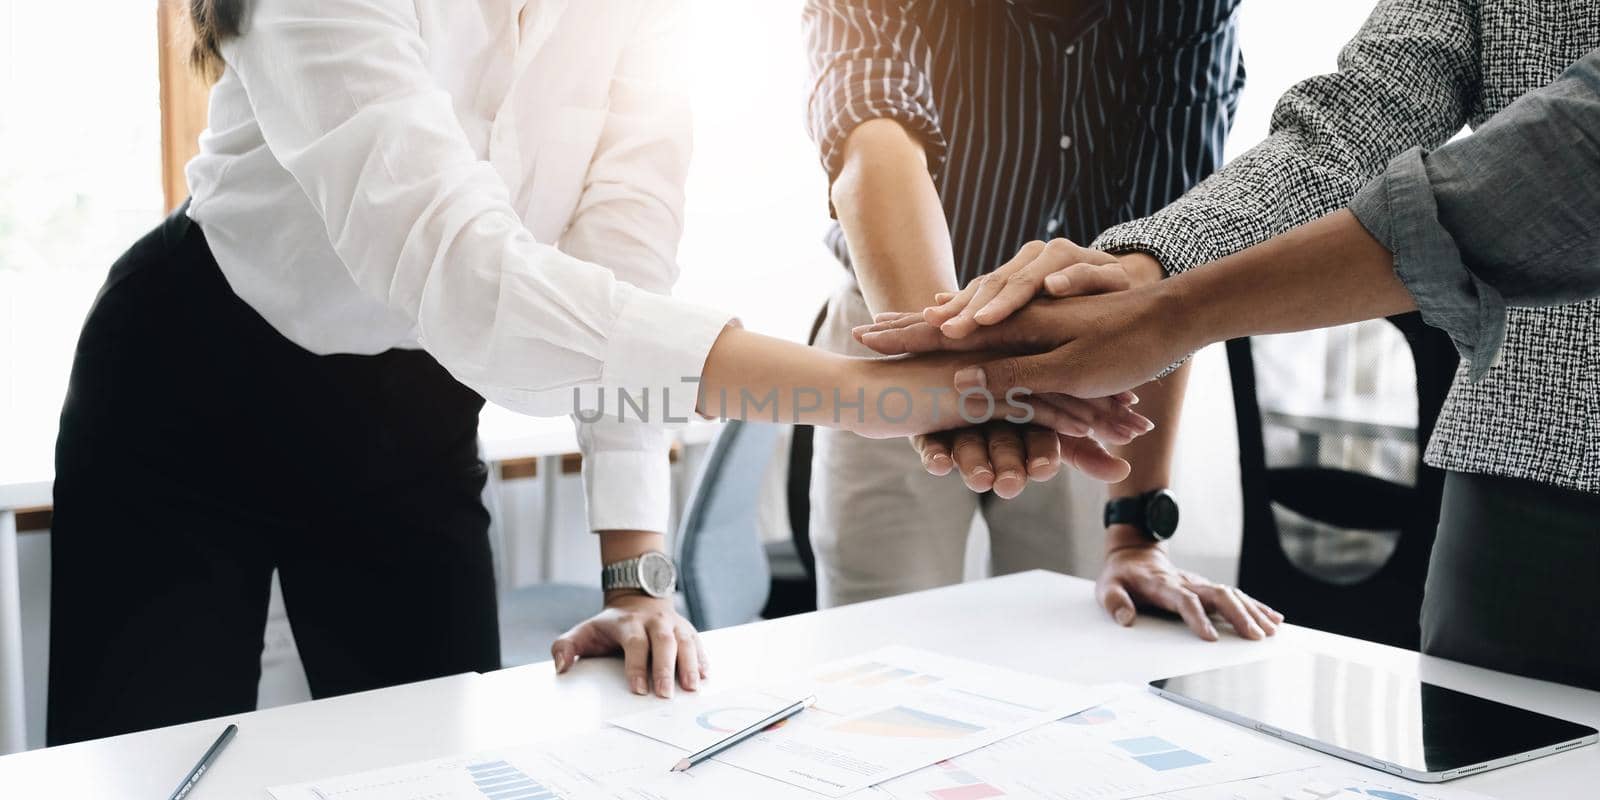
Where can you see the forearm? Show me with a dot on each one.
(620, 545)
(1324, 273)
(1161, 401)
(758, 378)
(892, 219)
(1406, 79)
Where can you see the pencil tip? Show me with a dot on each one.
(682, 766)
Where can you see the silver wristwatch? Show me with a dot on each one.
(652, 573)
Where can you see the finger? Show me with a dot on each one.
(1091, 458)
(588, 638)
(688, 661)
(1040, 414)
(1114, 598)
(887, 324)
(1006, 455)
(966, 321)
(939, 314)
(934, 448)
(1019, 288)
(1259, 610)
(943, 297)
(1044, 452)
(705, 663)
(564, 653)
(1224, 602)
(972, 458)
(1110, 421)
(918, 338)
(1277, 616)
(1084, 279)
(663, 657)
(951, 307)
(636, 658)
(1184, 603)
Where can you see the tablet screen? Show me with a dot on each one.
(1366, 711)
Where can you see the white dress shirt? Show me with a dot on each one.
(497, 182)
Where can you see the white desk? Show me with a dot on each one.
(1038, 621)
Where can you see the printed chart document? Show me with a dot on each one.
(1326, 783)
(609, 764)
(876, 717)
(1135, 745)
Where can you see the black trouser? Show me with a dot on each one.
(199, 451)
(1511, 585)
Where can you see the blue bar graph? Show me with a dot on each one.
(498, 780)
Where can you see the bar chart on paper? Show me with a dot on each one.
(498, 780)
(1136, 745)
(527, 776)
(876, 717)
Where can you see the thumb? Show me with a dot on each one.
(1118, 603)
(1091, 458)
(1086, 279)
(582, 641)
(564, 653)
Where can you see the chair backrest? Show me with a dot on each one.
(799, 480)
(1330, 501)
(721, 563)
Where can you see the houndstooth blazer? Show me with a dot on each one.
(1418, 71)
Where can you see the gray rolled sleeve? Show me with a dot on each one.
(1507, 216)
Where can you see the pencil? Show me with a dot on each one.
(205, 762)
(735, 738)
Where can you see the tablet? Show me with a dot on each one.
(1400, 725)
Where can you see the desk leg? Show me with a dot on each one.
(13, 730)
(550, 477)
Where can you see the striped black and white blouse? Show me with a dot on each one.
(1041, 118)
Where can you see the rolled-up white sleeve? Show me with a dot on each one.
(346, 104)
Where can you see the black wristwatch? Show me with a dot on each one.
(1155, 513)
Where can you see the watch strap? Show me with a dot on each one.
(623, 574)
(1128, 511)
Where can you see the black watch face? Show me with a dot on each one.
(1161, 515)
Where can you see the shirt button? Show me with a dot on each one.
(1071, 48)
(1051, 225)
(1066, 142)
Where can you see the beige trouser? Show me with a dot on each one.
(881, 525)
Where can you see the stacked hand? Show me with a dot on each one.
(1094, 341)
(1067, 321)
(976, 318)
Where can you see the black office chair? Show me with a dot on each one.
(793, 563)
(1297, 492)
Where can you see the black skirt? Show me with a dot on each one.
(1512, 579)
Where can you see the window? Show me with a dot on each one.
(80, 179)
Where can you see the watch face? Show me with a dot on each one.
(1161, 515)
(657, 574)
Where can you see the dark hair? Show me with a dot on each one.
(214, 21)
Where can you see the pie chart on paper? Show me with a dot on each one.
(728, 720)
